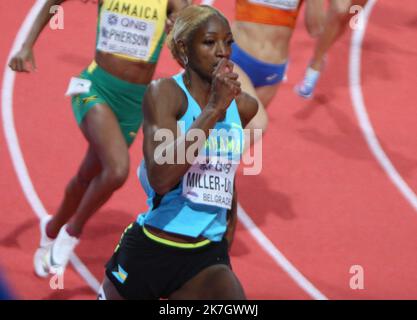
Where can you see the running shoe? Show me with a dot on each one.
(305, 89)
(58, 255)
(41, 268)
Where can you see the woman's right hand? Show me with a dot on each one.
(224, 87)
(20, 60)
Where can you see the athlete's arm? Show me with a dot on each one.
(25, 55)
(232, 219)
(163, 105)
(247, 106)
(177, 5)
(174, 7)
(314, 17)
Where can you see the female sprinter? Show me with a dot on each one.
(338, 16)
(178, 249)
(263, 30)
(106, 100)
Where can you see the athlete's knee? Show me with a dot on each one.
(83, 180)
(77, 184)
(116, 175)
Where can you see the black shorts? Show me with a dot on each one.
(142, 268)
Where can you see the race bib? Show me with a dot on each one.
(78, 86)
(210, 182)
(125, 35)
(289, 5)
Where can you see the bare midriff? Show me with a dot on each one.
(128, 70)
(264, 42)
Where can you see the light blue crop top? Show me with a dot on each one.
(198, 205)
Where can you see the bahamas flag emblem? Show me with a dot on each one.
(120, 275)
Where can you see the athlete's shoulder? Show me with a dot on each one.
(164, 87)
(164, 92)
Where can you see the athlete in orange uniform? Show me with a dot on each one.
(262, 32)
(337, 18)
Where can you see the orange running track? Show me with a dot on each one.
(322, 199)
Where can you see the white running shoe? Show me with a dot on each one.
(58, 255)
(305, 89)
(41, 268)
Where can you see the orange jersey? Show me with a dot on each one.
(275, 12)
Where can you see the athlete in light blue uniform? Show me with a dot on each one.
(175, 211)
(179, 248)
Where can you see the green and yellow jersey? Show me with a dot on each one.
(132, 29)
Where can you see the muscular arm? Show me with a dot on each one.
(247, 106)
(176, 5)
(232, 219)
(17, 63)
(41, 21)
(162, 107)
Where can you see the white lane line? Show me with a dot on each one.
(13, 141)
(38, 208)
(278, 257)
(362, 115)
(271, 249)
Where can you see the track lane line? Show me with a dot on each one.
(267, 245)
(38, 208)
(12, 140)
(278, 257)
(362, 115)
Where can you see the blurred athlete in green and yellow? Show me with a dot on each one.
(107, 104)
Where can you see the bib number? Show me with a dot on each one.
(125, 35)
(210, 182)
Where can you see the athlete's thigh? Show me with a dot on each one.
(102, 130)
(108, 291)
(217, 282)
(90, 167)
